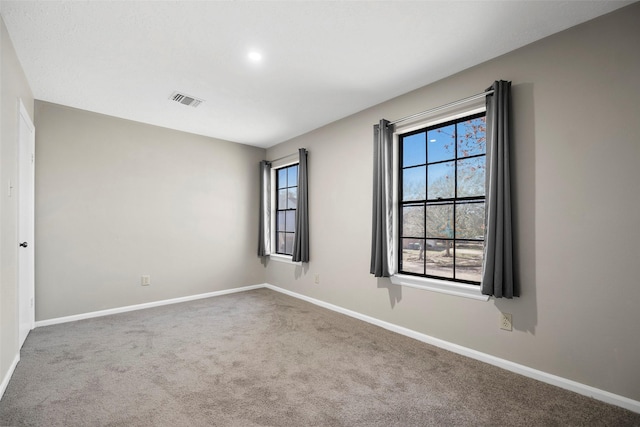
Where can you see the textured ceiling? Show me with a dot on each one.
(322, 60)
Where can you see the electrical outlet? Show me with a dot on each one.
(145, 280)
(506, 322)
(317, 279)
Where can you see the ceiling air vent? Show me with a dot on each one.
(189, 100)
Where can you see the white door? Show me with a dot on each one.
(26, 206)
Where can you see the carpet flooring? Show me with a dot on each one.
(261, 358)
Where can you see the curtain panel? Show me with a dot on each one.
(301, 240)
(382, 262)
(498, 277)
(264, 227)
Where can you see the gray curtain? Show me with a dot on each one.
(382, 262)
(301, 242)
(264, 228)
(497, 277)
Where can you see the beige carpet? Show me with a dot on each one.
(261, 358)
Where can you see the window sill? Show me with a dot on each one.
(287, 259)
(441, 286)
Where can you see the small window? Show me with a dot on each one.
(286, 199)
(441, 207)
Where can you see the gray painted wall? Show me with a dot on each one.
(116, 199)
(14, 86)
(576, 163)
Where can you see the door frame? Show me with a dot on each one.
(26, 224)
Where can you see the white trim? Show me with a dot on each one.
(290, 160)
(426, 283)
(127, 308)
(24, 113)
(7, 377)
(583, 389)
(441, 286)
(24, 117)
(468, 110)
(287, 259)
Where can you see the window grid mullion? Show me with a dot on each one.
(426, 197)
(455, 196)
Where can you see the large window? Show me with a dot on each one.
(442, 200)
(286, 198)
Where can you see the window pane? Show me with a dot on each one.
(439, 258)
(471, 177)
(280, 224)
(292, 198)
(472, 137)
(442, 179)
(470, 221)
(414, 150)
(440, 221)
(413, 255)
(291, 221)
(281, 243)
(469, 260)
(442, 144)
(413, 221)
(292, 176)
(282, 199)
(282, 178)
(289, 243)
(414, 183)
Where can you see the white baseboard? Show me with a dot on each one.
(127, 308)
(602, 395)
(8, 375)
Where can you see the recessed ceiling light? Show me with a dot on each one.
(255, 56)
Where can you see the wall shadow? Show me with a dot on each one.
(301, 270)
(395, 291)
(264, 261)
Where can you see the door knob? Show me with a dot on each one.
(24, 244)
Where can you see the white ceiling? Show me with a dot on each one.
(322, 60)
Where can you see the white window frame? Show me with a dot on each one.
(290, 160)
(427, 283)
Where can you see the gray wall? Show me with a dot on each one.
(577, 167)
(14, 86)
(117, 199)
